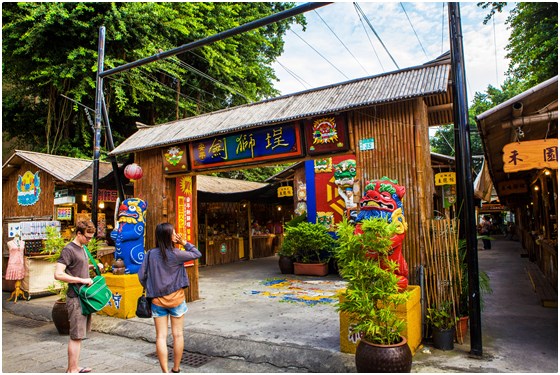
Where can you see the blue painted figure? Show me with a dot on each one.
(129, 236)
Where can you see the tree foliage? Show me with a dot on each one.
(50, 49)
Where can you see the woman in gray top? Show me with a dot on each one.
(163, 275)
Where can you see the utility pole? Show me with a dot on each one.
(465, 189)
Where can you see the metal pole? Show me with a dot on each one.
(213, 38)
(111, 144)
(463, 165)
(97, 129)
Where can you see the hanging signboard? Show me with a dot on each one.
(326, 134)
(184, 195)
(175, 159)
(512, 187)
(523, 156)
(105, 195)
(445, 178)
(273, 143)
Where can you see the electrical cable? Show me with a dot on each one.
(406, 14)
(341, 42)
(370, 42)
(319, 53)
(378, 37)
(304, 83)
(442, 23)
(495, 53)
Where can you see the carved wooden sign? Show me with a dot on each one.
(523, 156)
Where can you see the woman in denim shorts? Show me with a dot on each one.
(164, 277)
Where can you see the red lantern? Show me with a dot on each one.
(133, 172)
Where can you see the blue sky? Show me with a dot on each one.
(484, 45)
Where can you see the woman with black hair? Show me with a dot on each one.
(163, 275)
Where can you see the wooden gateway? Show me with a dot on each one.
(370, 127)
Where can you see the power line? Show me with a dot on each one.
(326, 24)
(495, 52)
(370, 42)
(373, 29)
(406, 14)
(293, 74)
(319, 53)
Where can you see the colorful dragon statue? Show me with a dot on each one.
(129, 236)
(383, 199)
(345, 180)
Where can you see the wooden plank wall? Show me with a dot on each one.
(402, 152)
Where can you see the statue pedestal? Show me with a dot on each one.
(410, 312)
(126, 289)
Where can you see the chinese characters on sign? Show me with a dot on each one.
(184, 207)
(105, 195)
(276, 142)
(512, 187)
(522, 156)
(445, 178)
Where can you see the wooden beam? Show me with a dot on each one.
(440, 108)
(530, 120)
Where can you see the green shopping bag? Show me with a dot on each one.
(93, 297)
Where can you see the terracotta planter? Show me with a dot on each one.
(374, 358)
(461, 329)
(286, 264)
(311, 269)
(60, 317)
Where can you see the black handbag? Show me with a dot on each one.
(144, 305)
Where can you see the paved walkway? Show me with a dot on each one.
(242, 316)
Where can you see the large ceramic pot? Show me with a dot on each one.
(60, 317)
(443, 338)
(286, 264)
(383, 358)
(311, 269)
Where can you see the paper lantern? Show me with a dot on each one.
(133, 172)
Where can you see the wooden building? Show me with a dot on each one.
(520, 140)
(380, 121)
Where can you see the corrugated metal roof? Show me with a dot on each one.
(63, 168)
(220, 185)
(403, 84)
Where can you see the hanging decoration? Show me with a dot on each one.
(285, 191)
(133, 172)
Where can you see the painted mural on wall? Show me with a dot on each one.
(301, 206)
(29, 188)
(335, 187)
(129, 236)
(383, 199)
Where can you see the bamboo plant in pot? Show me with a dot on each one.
(311, 246)
(371, 296)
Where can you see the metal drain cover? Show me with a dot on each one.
(28, 323)
(189, 359)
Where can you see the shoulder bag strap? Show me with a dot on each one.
(94, 265)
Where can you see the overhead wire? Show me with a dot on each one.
(320, 54)
(370, 42)
(303, 82)
(442, 23)
(495, 52)
(406, 14)
(341, 42)
(378, 37)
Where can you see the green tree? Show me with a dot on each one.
(50, 49)
(533, 43)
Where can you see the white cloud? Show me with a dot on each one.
(392, 25)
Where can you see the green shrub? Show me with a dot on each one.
(308, 243)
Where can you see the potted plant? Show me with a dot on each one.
(286, 253)
(371, 296)
(311, 246)
(53, 247)
(442, 320)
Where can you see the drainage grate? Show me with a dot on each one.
(189, 359)
(28, 323)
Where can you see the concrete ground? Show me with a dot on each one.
(242, 317)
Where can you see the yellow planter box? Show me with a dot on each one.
(126, 289)
(410, 312)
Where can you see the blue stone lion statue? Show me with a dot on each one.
(129, 236)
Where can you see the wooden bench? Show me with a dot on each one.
(541, 286)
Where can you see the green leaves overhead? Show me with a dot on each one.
(50, 49)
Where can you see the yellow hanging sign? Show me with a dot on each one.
(285, 191)
(445, 178)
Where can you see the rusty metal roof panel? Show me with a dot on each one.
(399, 85)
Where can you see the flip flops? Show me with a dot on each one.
(84, 370)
